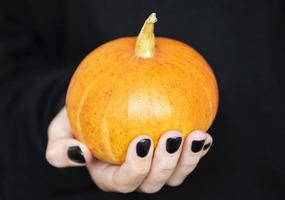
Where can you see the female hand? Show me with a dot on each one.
(146, 169)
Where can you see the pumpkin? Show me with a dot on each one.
(135, 86)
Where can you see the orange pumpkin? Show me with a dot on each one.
(139, 86)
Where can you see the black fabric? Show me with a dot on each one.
(42, 42)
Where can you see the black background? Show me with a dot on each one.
(42, 42)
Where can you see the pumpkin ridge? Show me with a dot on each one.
(107, 137)
(81, 103)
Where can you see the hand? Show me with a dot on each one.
(145, 169)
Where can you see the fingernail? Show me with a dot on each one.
(173, 144)
(197, 145)
(207, 146)
(75, 154)
(143, 147)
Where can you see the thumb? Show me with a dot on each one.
(67, 152)
(62, 149)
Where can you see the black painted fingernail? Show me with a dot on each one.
(207, 146)
(143, 147)
(173, 144)
(197, 145)
(75, 154)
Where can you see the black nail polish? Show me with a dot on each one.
(173, 144)
(75, 154)
(207, 146)
(143, 147)
(197, 145)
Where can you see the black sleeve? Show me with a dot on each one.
(32, 90)
(32, 86)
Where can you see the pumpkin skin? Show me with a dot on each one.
(115, 96)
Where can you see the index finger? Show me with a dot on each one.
(127, 177)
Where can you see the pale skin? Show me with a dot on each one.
(144, 174)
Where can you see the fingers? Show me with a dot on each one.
(190, 156)
(62, 149)
(127, 177)
(208, 144)
(164, 162)
(171, 163)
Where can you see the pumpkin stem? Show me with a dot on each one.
(146, 40)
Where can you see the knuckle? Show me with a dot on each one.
(166, 169)
(51, 157)
(189, 165)
(174, 183)
(150, 189)
(139, 172)
(185, 170)
(159, 158)
(125, 189)
(104, 189)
